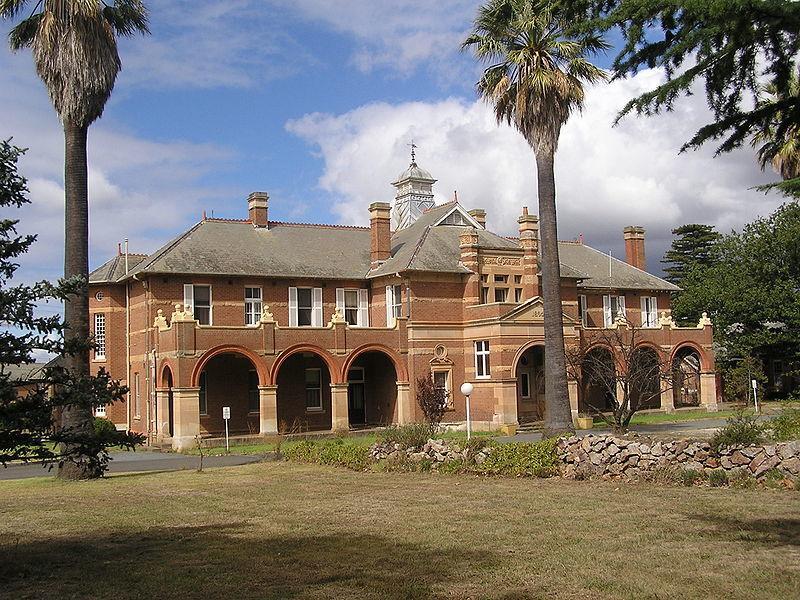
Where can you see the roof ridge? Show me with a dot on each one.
(435, 206)
(324, 225)
(418, 245)
(226, 220)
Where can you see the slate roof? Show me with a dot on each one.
(113, 270)
(301, 250)
(25, 372)
(595, 265)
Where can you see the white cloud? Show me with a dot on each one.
(607, 177)
(140, 189)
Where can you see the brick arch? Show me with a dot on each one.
(646, 345)
(399, 367)
(327, 357)
(258, 363)
(166, 365)
(705, 363)
(522, 350)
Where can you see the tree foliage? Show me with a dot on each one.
(431, 399)
(732, 47)
(752, 291)
(29, 407)
(694, 244)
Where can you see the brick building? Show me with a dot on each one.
(318, 327)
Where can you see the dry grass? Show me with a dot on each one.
(283, 530)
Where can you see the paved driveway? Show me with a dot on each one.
(125, 462)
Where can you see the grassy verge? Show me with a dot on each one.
(287, 530)
(656, 418)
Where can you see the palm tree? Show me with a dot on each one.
(75, 50)
(781, 152)
(534, 80)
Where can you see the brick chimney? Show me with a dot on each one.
(380, 233)
(257, 208)
(634, 246)
(479, 215)
(529, 242)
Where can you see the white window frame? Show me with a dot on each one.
(649, 317)
(482, 362)
(583, 310)
(99, 411)
(361, 308)
(318, 408)
(448, 384)
(316, 307)
(99, 336)
(608, 305)
(189, 303)
(253, 306)
(394, 304)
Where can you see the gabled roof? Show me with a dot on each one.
(113, 270)
(296, 250)
(426, 246)
(621, 275)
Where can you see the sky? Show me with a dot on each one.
(315, 102)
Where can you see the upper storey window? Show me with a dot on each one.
(394, 304)
(197, 298)
(613, 307)
(455, 218)
(649, 311)
(305, 307)
(353, 304)
(252, 305)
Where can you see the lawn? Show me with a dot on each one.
(286, 530)
(655, 418)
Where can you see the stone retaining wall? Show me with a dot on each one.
(620, 457)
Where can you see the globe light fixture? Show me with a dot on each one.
(466, 389)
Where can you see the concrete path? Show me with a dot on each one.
(141, 460)
(679, 429)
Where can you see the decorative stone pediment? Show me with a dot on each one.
(440, 357)
(501, 261)
(532, 311)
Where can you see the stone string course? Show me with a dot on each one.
(607, 455)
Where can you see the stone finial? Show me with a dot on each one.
(666, 321)
(181, 316)
(266, 315)
(160, 322)
(704, 321)
(336, 318)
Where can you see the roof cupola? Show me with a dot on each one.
(414, 194)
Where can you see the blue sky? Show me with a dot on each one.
(315, 102)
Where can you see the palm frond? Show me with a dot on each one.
(11, 8)
(23, 34)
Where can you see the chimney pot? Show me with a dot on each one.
(258, 209)
(634, 246)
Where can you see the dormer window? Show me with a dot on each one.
(455, 218)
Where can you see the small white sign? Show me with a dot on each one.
(754, 383)
(226, 412)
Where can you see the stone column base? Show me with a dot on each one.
(340, 419)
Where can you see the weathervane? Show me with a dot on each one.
(413, 154)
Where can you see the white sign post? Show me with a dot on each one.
(226, 414)
(754, 383)
(466, 389)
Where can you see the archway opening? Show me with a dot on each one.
(645, 379)
(304, 393)
(167, 383)
(372, 390)
(530, 385)
(686, 378)
(598, 381)
(229, 379)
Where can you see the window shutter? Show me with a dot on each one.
(645, 312)
(363, 308)
(607, 318)
(621, 302)
(316, 314)
(188, 297)
(340, 301)
(292, 307)
(389, 306)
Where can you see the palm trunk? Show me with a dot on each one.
(558, 416)
(77, 419)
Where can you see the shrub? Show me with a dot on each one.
(414, 435)
(689, 477)
(432, 400)
(741, 429)
(104, 427)
(741, 478)
(305, 451)
(452, 467)
(786, 426)
(718, 478)
(338, 452)
(522, 460)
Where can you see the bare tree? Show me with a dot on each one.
(618, 373)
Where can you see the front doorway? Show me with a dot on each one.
(530, 385)
(356, 400)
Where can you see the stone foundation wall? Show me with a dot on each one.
(600, 455)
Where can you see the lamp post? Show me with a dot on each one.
(466, 389)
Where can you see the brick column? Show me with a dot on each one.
(405, 407)
(162, 414)
(529, 242)
(340, 420)
(268, 409)
(185, 417)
